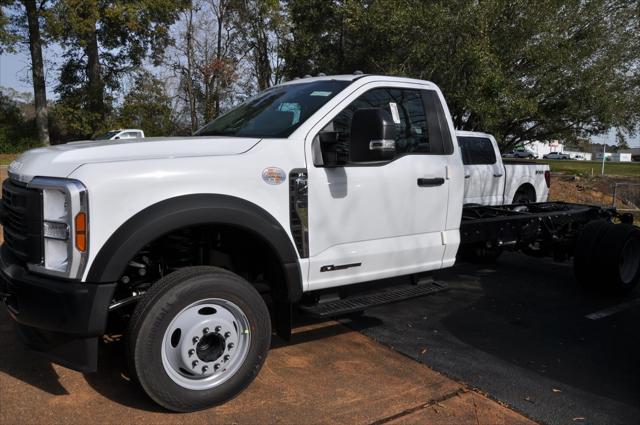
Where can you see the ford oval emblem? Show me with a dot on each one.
(273, 175)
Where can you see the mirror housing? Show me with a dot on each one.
(373, 135)
(329, 147)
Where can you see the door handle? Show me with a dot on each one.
(436, 181)
(497, 175)
(467, 176)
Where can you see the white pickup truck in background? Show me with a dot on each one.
(490, 181)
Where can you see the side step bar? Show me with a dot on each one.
(362, 302)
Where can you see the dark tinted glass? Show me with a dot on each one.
(476, 150)
(276, 112)
(406, 106)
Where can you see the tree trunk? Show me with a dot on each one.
(94, 76)
(193, 113)
(37, 72)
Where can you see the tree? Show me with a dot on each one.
(207, 59)
(621, 141)
(104, 40)
(262, 27)
(147, 106)
(11, 34)
(17, 132)
(519, 69)
(37, 69)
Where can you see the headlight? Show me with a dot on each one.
(64, 227)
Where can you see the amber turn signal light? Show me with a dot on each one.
(81, 231)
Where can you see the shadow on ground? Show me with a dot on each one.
(517, 330)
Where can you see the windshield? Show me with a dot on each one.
(107, 136)
(276, 112)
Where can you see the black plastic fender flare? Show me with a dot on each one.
(190, 210)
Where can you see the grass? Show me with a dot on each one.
(623, 169)
(6, 158)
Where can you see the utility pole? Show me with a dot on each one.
(604, 151)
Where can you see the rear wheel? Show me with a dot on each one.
(607, 257)
(524, 195)
(198, 338)
(586, 253)
(620, 262)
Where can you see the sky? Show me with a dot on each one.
(14, 73)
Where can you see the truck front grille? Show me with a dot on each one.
(22, 221)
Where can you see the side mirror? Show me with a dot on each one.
(373, 135)
(116, 138)
(329, 147)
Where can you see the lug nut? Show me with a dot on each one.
(230, 345)
(227, 334)
(191, 352)
(194, 363)
(218, 329)
(216, 366)
(226, 358)
(195, 339)
(205, 331)
(205, 369)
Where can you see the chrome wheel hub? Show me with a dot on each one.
(205, 344)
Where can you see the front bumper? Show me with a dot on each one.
(60, 319)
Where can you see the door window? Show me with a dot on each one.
(476, 150)
(417, 116)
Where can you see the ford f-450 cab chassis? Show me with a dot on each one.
(311, 194)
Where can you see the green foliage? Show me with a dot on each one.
(586, 168)
(105, 40)
(522, 70)
(8, 36)
(17, 134)
(147, 107)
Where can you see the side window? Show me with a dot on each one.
(476, 150)
(405, 106)
(420, 121)
(130, 135)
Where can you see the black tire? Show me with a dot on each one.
(619, 249)
(585, 256)
(155, 312)
(524, 195)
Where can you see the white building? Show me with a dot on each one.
(543, 148)
(614, 157)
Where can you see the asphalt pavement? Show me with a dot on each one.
(522, 332)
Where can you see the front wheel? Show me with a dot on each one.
(198, 338)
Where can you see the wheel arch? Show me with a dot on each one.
(527, 188)
(190, 210)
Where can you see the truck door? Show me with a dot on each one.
(484, 173)
(371, 221)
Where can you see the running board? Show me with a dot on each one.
(362, 302)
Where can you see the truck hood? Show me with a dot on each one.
(61, 160)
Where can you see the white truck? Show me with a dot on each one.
(305, 196)
(489, 181)
(122, 134)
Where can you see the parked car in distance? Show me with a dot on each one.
(556, 155)
(126, 133)
(520, 153)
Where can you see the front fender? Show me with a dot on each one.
(191, 210)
